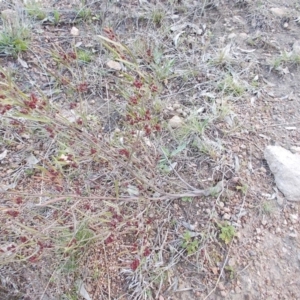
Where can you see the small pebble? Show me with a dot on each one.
(264, 222)
(226, 216)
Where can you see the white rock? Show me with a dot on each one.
(286, 169)
(264, 222)
(243, 35)
(231, 262)
(296, 48)
(175, 122)
(295, 150)
(3, 154)
(114, 65)
(226, 216)
(74, 31)
(293, 218)
(279, 12)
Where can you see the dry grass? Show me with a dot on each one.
(89, 193)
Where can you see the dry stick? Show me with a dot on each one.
(283, 124)
(166, 157)
(206, 192)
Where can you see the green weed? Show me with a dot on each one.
(34, 10)
(14, 37)
(189, 244)
(232, 86)
(227, 233)
(84, 56)
(187, 199)
(56, 16)
(85, 14)
(157, 16)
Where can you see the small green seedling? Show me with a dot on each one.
(231, 271)
(14, 36)
(85, 14)
(190, 245)
(161, 66)
(165, 163)
(157, 16)
(187, 199)
(84, 56)
(56, 16)
(34, 10)
(227, 233)
(243, 188)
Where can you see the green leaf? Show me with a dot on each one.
(178, 149)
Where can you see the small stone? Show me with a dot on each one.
(200, 110)
(226, 216)
(237, 290)
(279, 200)
(238, 235)
(114, 65)
(74, 31)
(221, 286)
(263, 170)
(252, 253)
(258, 230)
(264, 222)
(278, 230)
(293, 218)
(296, 52)
(223, 293)
(176, 105)
(296, 150)
(179, 111)
(285, 25)
(20, 146)
(243, 36)
(226, 209)
(175, 122)
(279, 12)
(293, 235)
(231, 262)
(231, 36)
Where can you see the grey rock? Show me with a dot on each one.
(296, 48)
(286, 169)
(175, 122)
(279, 12)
